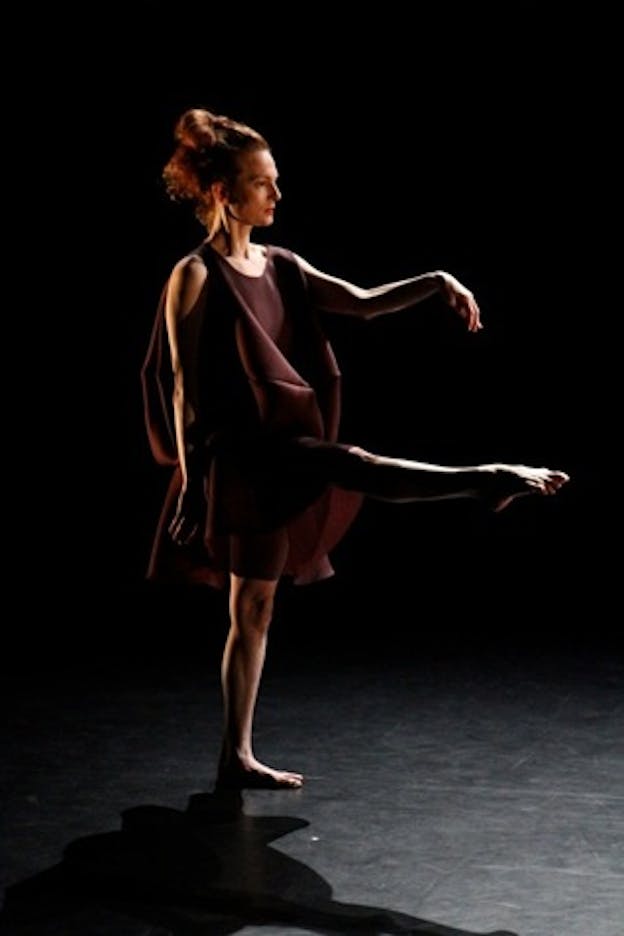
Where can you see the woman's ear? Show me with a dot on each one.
(219, 192)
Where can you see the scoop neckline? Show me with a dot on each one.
(251, 276)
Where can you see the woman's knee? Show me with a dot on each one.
(251, 604)
(356, 468)
(363, 455)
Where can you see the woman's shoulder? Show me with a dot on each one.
(189, 269)
(194, 260)
(186, 281)
(275, 250)
(286, 257)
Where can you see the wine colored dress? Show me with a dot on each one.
(267, 387)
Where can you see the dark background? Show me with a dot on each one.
(447, 137)
(452, 136)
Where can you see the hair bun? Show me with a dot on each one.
(196, 129)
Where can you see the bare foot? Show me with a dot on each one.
(510, 481)
(252, 775)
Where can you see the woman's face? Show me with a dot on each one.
(255, 193)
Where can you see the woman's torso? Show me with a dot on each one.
(257, 281)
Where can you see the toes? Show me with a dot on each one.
(292, 782)
(290, 779)
(259, 777)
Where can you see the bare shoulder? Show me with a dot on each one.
(189, 270)
(312, 274)
(186, 282)
(327, 285)
(304, 265)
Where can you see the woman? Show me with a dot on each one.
(242, 399)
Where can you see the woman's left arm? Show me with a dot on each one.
(330, 294)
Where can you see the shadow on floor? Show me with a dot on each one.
(208, 871)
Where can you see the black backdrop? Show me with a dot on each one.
(444, 138)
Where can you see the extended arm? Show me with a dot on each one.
(182, 312)
(331, 294)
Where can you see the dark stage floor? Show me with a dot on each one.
(460, 779)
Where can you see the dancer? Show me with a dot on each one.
(242, 399)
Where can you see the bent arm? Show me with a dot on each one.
(331, 294)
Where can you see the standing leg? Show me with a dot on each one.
(251, 609)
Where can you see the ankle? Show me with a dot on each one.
(236, 754)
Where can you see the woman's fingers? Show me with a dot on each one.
(182, 530)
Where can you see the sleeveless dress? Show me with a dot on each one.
(268, 392)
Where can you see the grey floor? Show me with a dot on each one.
(451, 788)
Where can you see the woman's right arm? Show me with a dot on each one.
(183, 315)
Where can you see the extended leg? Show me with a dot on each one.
(402, 480)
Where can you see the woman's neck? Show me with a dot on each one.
(235, 243)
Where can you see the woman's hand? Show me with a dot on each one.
(185, 524)
(462, 300)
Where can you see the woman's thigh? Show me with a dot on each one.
(259, 555)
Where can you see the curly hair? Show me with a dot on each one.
(207, 150)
